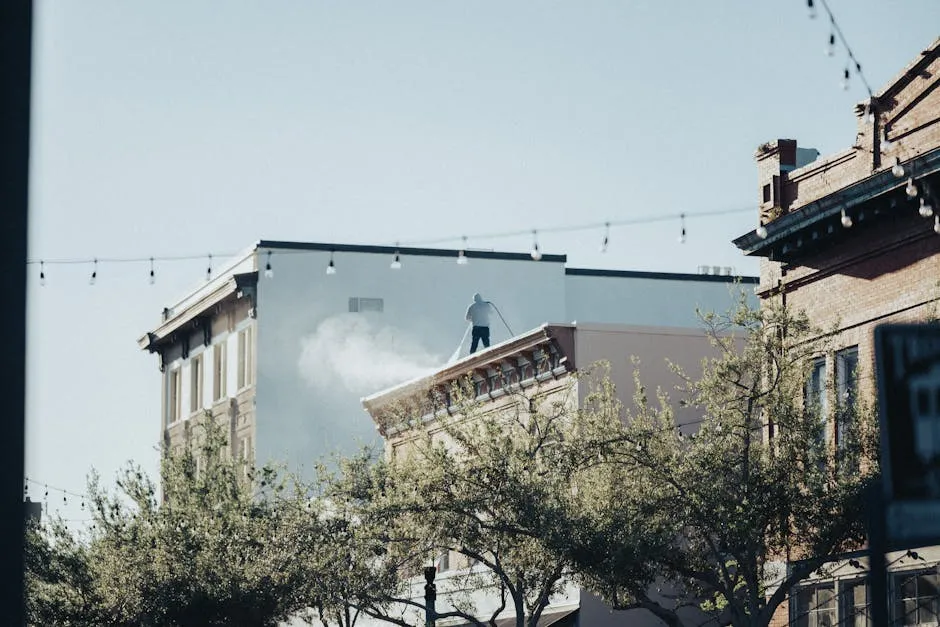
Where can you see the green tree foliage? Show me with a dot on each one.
(59, 584)
(525, 493)
(220, 545)
(480, 484)
(707, 515)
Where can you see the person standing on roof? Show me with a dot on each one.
(478, 314)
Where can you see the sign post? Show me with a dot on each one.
(430, 596)
(904, 512)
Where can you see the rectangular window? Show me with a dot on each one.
(218, 371)
(916, 598)
(174, 396)
(443, 562)
(196, 383)
(846, 392)
(815, 397)
(855, 610)
(816, 606)
(244, 358)
(245, 454)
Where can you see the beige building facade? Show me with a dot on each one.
(283, 342)
(539, 365)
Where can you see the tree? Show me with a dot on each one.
(222, 545)
(761, 480)
(479, 485)
(59, 586)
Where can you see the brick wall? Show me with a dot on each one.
(881, 275)
(871, 275)
(908, 114)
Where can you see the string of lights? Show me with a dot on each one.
(45, 488)
(96, 262)
(835, 33)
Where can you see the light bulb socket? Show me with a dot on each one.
(925, 210)
(331, 267)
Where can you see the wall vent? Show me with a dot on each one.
(358, 304)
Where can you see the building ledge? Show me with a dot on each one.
(875, 199)
(195, 310)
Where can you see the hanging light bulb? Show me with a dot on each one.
(461, 254)
(153, 276)
(811, 8)
(606, 237)
(846, 220)
(331, 267)
(831, 47)
(682, 215)
(761, 231)
(42, 273)
(535, 253)
(925, 210)
(94, 274)
(910, 189)
(396, 262)
(209, 269)
(268, 270)
(886, 144)
(897, 169)
(845, 79)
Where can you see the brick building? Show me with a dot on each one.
(853, 239)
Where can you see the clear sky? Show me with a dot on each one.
(186, 127)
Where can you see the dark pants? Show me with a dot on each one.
(479, 334)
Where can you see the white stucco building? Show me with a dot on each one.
(284, 349)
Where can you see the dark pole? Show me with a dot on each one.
(16, 24)
(877, 567)
(430, 595)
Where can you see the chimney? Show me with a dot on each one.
(774, 160)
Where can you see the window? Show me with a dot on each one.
(196, 382)
(816, 606)
(174, 396)
(846, 392)
(847, 375)
(244, 358)
(443, 562)
(218, 371)
(916, 598)
(815, 397)
(855, 611)
(245, 454)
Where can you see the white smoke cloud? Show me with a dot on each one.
(352, 352)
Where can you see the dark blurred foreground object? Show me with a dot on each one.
(15, 66)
